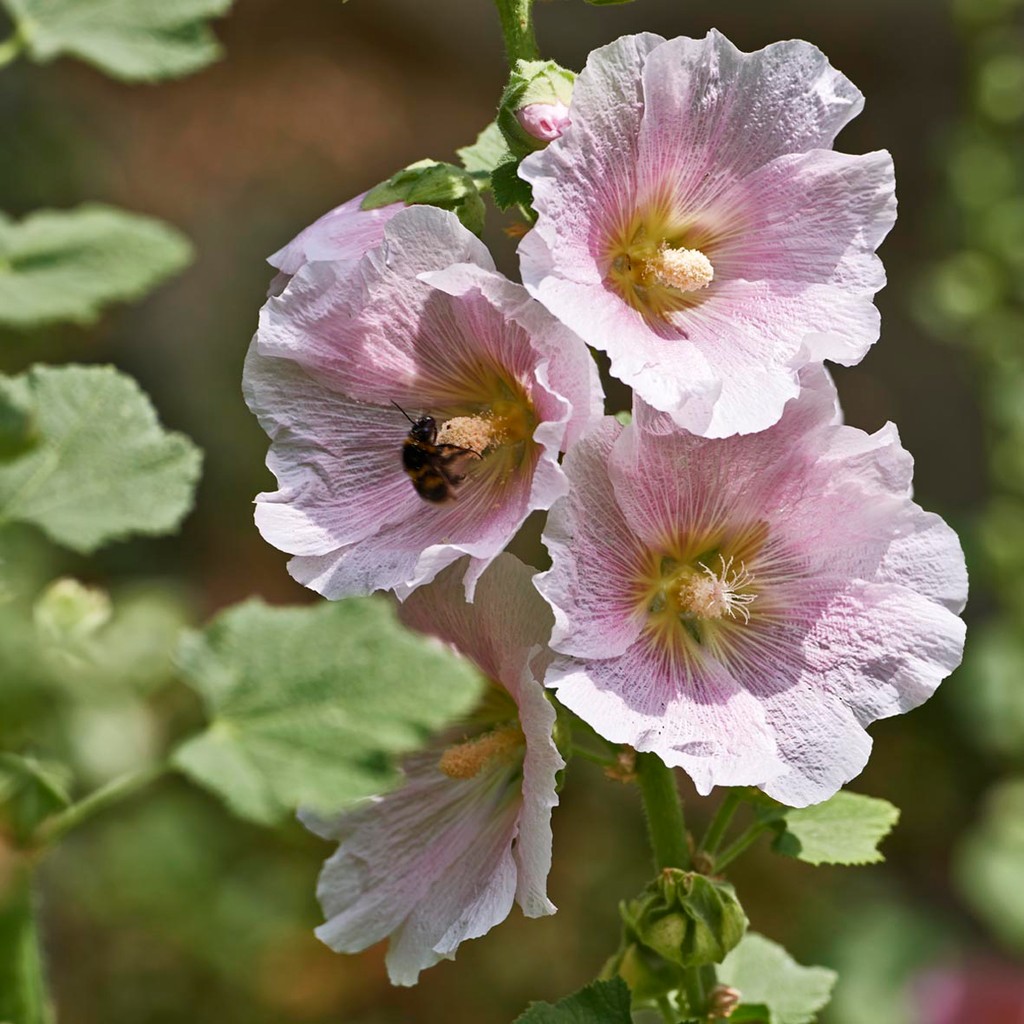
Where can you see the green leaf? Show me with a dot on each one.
(988, 863)
(60, 265)
(430, 183)
(843, 830)
(489, 151)
(751, 1013)
(310, 705)
(136, 40)
(17, 418)
(30, 791)
(602, 1002)
(103, 468)
(509, 189)
(764, 973)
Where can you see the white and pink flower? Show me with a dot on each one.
(696, 226)
(744, 607)
(420, 325)
(442, 858)
(347, 232)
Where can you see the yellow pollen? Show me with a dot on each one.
(476, 433)
(467, 760)
(710, 595)
(687, 270)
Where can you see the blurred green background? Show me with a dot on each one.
(168, 909)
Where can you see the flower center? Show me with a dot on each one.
(659, 266)
(685, 270)
(467, 760)
(706, 594)
(506, 422)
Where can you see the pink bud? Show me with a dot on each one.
(544, 121)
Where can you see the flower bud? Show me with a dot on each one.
(69, 611)
(544, 121)
(688, 919)
(430, 183)
(534, 108)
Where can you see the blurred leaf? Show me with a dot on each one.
(309, 705)
(509, 189)
(489, 151)
(17, 418)
(843, 830)
(992, 702)
(60, 265)
(1001, 87)
(989, 863)
(23, 997)
(602, 1002)
(766, 974)
(880, 948)
(30, 791)
(104, 468)
(129, 39)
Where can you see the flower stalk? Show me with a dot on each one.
(517, 28)
(666, 825)
(124, 786)
(23, 993)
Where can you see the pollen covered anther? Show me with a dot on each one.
(467, 760)
(474, 433)
(710, 595)
(686, 270)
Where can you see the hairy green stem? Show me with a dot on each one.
(112, 793)
(720, 822)
(517, 28)
(23, 997)
(747, 839)
(11, 48)
(665, 823)
(696, 995)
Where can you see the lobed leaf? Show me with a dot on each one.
(66, 265)
(767, 977)
(488, 152)
(602, 1002)
(103, 468)
(845, 829)
(310, 705)
(135, 40)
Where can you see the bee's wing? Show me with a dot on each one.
(454, 461)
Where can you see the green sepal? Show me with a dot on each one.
(430, 183)
(531, 81)
(751, 1013)
(688, 919)
(509, 189)
(480, 158)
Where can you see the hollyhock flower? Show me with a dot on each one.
(694, 224)
(442, 858)
(345, 233)
(421, 326)
(744, 607)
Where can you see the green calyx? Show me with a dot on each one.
(686, 918)
(431, 183)
(531, 81)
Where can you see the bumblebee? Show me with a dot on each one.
(436, 470)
